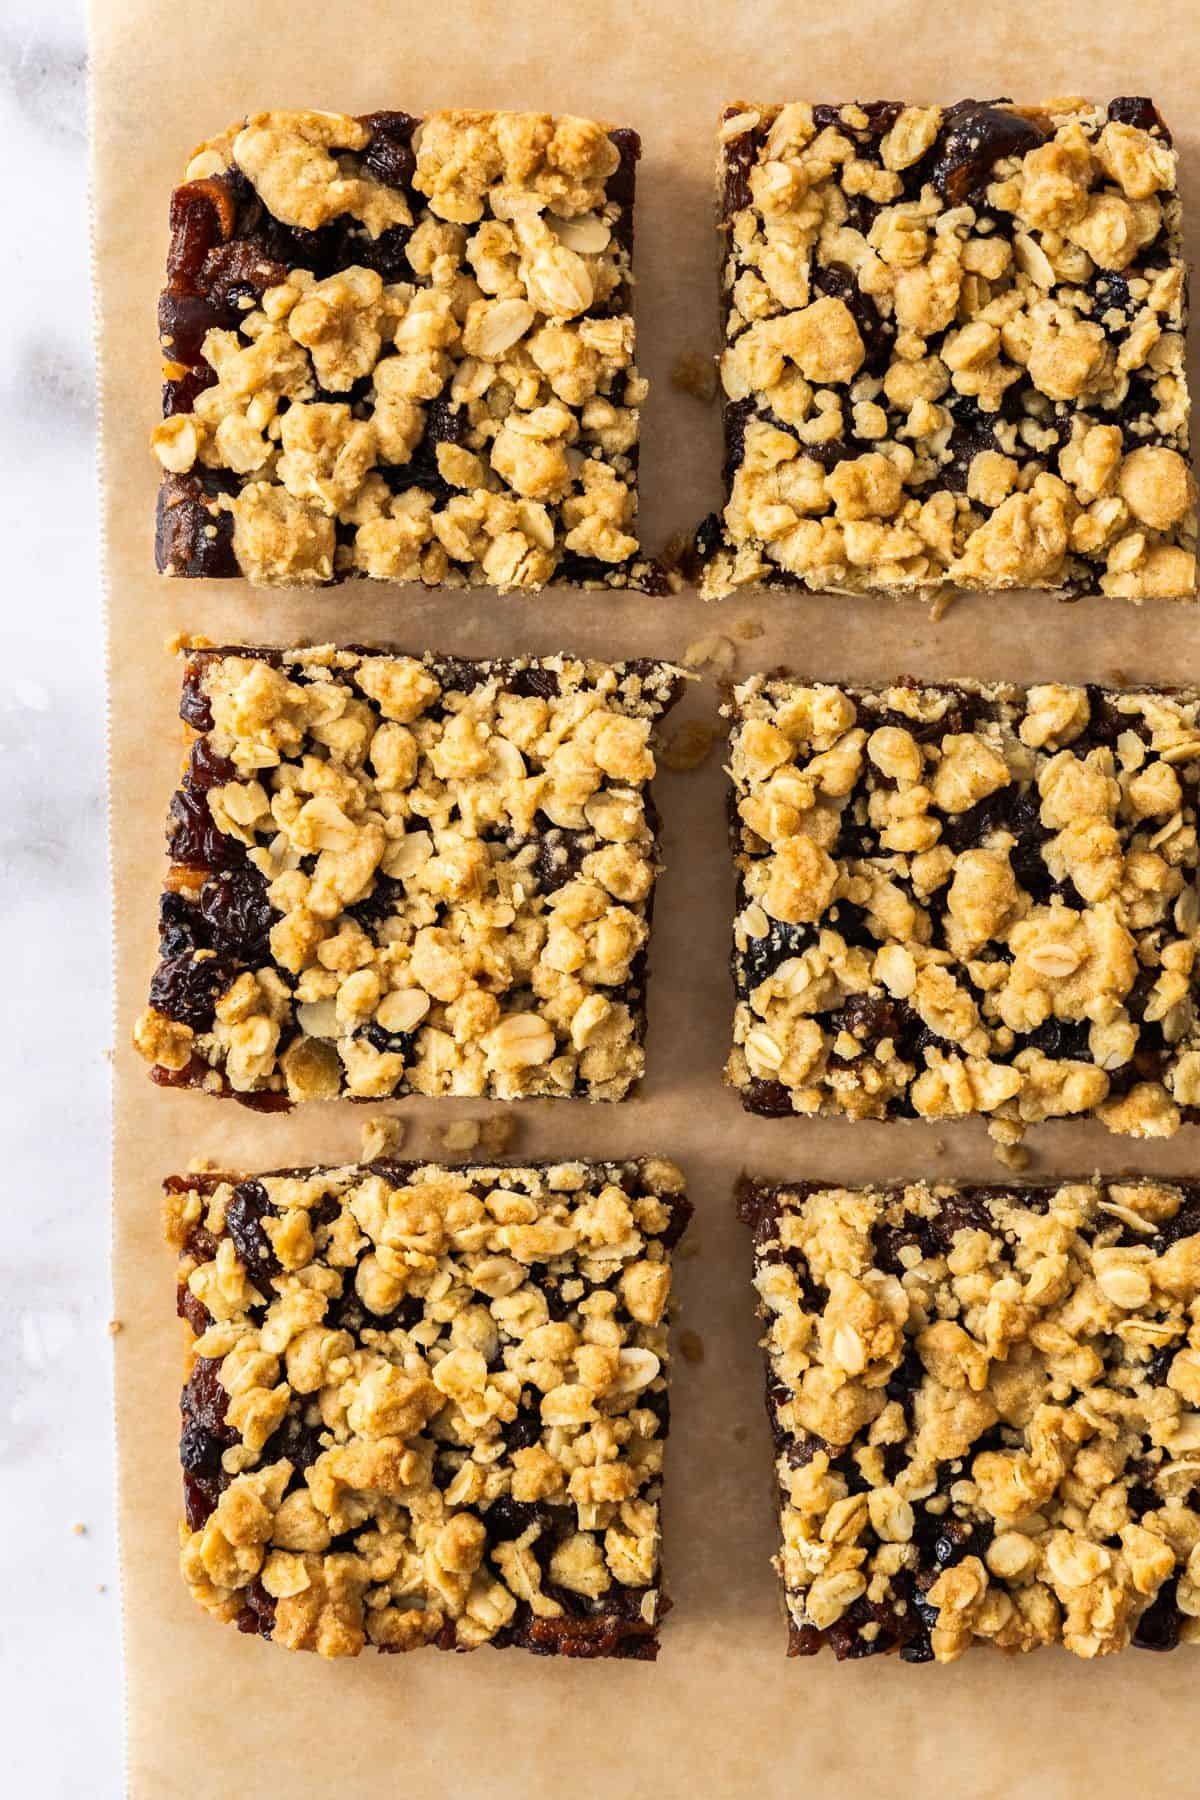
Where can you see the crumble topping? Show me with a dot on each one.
(967, 899)
(396, 876)
(983, 1403)
(954, 351)
(428, 1405)
(403, 348)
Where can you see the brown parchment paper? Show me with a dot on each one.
(211, 1714)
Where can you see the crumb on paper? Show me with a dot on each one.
(694, 372)
(713, 652)
(691, 1346)
(748, 629)
(201, 1165)
(460, 1137)
(79, 1529)
(739, 1434)
(181, 641)
(381, 1137)
(496, 1134)
(115, 1327)
(688, 746)
(941, 603)
(1012, 1156)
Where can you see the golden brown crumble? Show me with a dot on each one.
(967, 899)
(955, 351)
(983, 1402)
(403, 348)
(427, 1405)
(396, 876)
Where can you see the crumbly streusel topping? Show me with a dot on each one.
(984, 1403)
(403, 348)
(955, 350)
(967, 899)
(428, 1404)
(396, 876)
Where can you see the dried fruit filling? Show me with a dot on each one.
(965, 899)
(403, 348)
(394, 876)
(954, 351)
(983, 1403)
(429, 1406)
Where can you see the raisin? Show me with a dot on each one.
(179, 395)
(763, 955)
(203, 214)
(192, 536)
(193, 837)
(187, 988)
(387, 254)
(180, 927)
(737, 416)
(247, 1208)
(770, 1099)
(740, 153)
(381, 904)
(533, 682)
(296, 1440)
(526, 1428)
(877, 333)
(206, 769)
(238, 271)
(977, 138)
(559, 857)
(1158, 1627)
(574, 570)
(1137, 110)
(234, 906)
(507, 1518)
(389, 1043)
(203, 1437)
(706, 540)
(868, 1019)
(258, 1612)
(183, 321)
(389, 156)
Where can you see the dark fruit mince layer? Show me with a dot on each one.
(391, 876)
(954, 351)
(966, 899)
(428, 1405)
(984, 1407)
(403, 348)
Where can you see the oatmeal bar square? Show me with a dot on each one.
(983, 1402)
(393, 876)
(403, 348)
(964, 899)
(954, 351)
(428, 1405)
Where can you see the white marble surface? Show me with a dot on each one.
(60, 1686)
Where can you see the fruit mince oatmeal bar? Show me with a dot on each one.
(394, 876)
(954, 351)
(984, 1403)
(403, 348)
(429, 1405)
(966, 899)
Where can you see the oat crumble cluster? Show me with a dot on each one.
(967, 899)
(954, 351)
(403, 348)
(393, 876)
(428, 1405)
(984, 1404)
